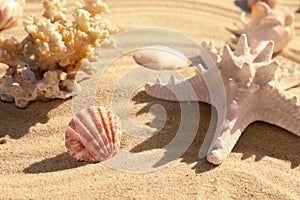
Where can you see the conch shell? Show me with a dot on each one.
(94, 135)
(10, 12)
(267, 24)
(271, 3)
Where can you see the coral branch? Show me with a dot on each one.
(52, 52)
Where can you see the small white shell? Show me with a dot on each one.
(93, 135)
(10, 12)
(160, 58)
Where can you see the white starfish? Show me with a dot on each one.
(253, 92)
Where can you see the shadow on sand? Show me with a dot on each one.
(259, 139)
(16, 122)
(58, 163)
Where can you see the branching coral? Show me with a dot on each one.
(44, 64)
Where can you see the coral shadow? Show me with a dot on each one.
(259, 139)
(58, 163)
(16, 122)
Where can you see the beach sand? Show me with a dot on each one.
(33, 160)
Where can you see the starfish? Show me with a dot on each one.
(255, 88)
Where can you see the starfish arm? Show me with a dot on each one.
(287, 77)
(193, 89)
(231, 132)
(284, 113)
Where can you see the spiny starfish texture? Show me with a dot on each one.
(254, 86)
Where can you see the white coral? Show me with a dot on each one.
(53, 51)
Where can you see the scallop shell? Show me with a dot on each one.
(10, 12)
(271, 3)
(93, 134)
(160, 58)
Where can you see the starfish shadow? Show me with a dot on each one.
(259, 139)
(167, 133)
(262, 139)
(16, 122)
(58, 163)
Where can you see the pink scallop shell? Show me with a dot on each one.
(93, 135)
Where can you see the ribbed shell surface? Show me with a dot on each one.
(93, 134)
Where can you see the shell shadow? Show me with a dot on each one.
(16, 122)
(259, 139)
(58, 163)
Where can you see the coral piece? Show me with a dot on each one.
(160, 58)
(267, 24)
(93, 134)
(254, 86)
(10, 12)
(44, 65)
(271, 3)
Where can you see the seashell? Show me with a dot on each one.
(93, 134)
(267, 24)
(10, 12)
(273, 25)
(271, 3)
(160, 58)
